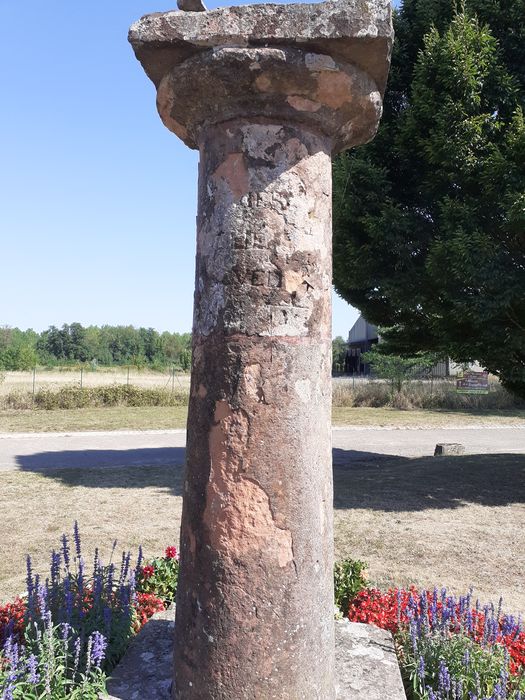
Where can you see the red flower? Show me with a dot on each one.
(147, 605)
(147, 572)
(171, 553)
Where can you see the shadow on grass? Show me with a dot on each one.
(417, 484)
(362, 480)
(138, 468)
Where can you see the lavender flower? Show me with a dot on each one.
(107, 620)
(56, 561)
(421, 668)
(65, 551)
(32, 667)
(76, 535)
(29, 578)
(98, 648)
(42, 600)
(141, 557)
(77, 656)
(443, 677)
(68, 600)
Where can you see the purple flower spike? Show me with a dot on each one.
(443, 677)
(65, 551)
(76, 534)
(32, 667)
(421, 668)
(98, 648)
(42, 600)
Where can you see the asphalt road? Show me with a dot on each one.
(41, 451)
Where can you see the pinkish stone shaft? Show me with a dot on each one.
(255, 603)
(255, 599)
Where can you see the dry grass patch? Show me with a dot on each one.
(455, 522)
(57, 378)
(162, 417)
(114, 418)
(424, 418)
(140, 505)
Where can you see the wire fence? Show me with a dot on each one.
(34, 380)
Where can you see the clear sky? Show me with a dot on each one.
(97, 198)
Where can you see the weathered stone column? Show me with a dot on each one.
(267, 105)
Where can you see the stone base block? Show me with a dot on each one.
(449, 448)
(366, 663)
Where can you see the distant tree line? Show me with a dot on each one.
(73, 344)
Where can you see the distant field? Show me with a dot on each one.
(56, 378)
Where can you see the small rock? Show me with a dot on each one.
(449, 448)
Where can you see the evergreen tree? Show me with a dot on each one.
(429, 219)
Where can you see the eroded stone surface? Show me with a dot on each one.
(354, 31)
(256, 538)
(366, 661)
(449, 448)
(274, 84)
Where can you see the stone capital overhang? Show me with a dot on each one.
(202, 64)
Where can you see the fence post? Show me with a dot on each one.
(127, 380)
(34, 384)
(173, 380)
(81, 373)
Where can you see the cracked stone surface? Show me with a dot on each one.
(267, 93)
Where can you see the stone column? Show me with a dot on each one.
(255, 601)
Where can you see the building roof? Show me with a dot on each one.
(362, 331)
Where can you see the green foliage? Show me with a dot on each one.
(160, 576)
(108, 345)
(17, 349)
(398, 369)
(46, 670)
(93, 397)
(339, 348)
(429, 218)
(349, 579)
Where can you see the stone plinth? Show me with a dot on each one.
(267, 93)
(366, 668)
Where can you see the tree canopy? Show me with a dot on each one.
(105, 345)
(429, 218)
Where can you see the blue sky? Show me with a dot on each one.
(97, 198)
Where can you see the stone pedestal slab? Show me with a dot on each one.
(366, 663)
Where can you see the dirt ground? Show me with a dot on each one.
(456, 522)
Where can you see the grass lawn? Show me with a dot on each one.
(150, 418)
(114, 418)
(444, 521)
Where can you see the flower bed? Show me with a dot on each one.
(69, 632)
(448, 648)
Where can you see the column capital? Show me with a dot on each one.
(323, 65)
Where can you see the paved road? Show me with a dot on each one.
(40, 451)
